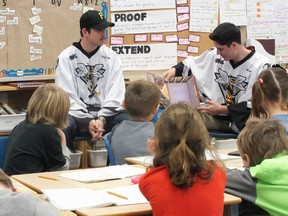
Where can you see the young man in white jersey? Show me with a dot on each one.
(91, 74)
(224, 75)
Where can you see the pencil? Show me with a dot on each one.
(46, 177)
(118, 195)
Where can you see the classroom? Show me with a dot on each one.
(103, 103)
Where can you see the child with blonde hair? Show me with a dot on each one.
(263, 185)
(38, 144)
(181, 180)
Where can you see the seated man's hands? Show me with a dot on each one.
(96, 129)
(213, 108)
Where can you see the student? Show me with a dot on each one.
(38, 144)
(224, 75)
(270, 95)
(181, 180)
(263, 184)
(91, 74)
(129, 138)
(15, 203)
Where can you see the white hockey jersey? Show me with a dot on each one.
(222, 81)
(93, 82)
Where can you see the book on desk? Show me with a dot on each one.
(79, 198)
(104, 173)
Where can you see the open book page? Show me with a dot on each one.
(79, 198)
(104, 173)
(76, 198)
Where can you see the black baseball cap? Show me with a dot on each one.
(94, 19)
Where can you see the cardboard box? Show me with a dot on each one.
(8, 122)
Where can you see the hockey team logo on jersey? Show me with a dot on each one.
(230, 86)
(90, 74)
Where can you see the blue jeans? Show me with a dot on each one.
(79, 127)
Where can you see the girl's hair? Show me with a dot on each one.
(262, 139)
(181, 139)
(272, 87)
(49, 103)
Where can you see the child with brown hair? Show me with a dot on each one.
(129, 138)
(270, 95)
(17, 203)
(263, 185)
(181, 180)
(38, 144)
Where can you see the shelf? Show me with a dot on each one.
(27, 78)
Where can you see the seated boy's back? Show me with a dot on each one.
(129, 138)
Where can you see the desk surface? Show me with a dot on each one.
(235, 163)
(35, 183)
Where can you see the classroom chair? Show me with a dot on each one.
(3, 149)
(111, 158)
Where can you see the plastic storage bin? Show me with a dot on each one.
(97, 158)
(75, 159)
(8, 122)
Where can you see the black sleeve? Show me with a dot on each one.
(179, 69)
(82, 126)
(239, 114)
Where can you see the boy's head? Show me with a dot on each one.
(261, 139)
(142, 99)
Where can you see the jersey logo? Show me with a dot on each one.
(90, 74)
(230, 86)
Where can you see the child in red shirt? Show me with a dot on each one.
(181, 180)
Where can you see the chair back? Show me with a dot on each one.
(3, 149)
(107, 141)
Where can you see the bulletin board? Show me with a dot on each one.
(35, 40)
(57, 27)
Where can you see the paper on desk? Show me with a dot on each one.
(75, 198)
(79, 198)
(104, 173)
(147, 160)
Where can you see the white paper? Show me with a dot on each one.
(35, 19)
(171, 38)
(203, 15)
(125, 5)
(144, 22)
(116, 40)
(79, 198)
(2, 31)
(233, 11)
(37, 29)
(14, 21)
(104, 174)
(147, 56)
(156, 37)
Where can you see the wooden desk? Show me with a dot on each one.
(35, 183)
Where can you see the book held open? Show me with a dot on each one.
(177, 88)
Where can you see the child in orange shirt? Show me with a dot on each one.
(181, 181)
